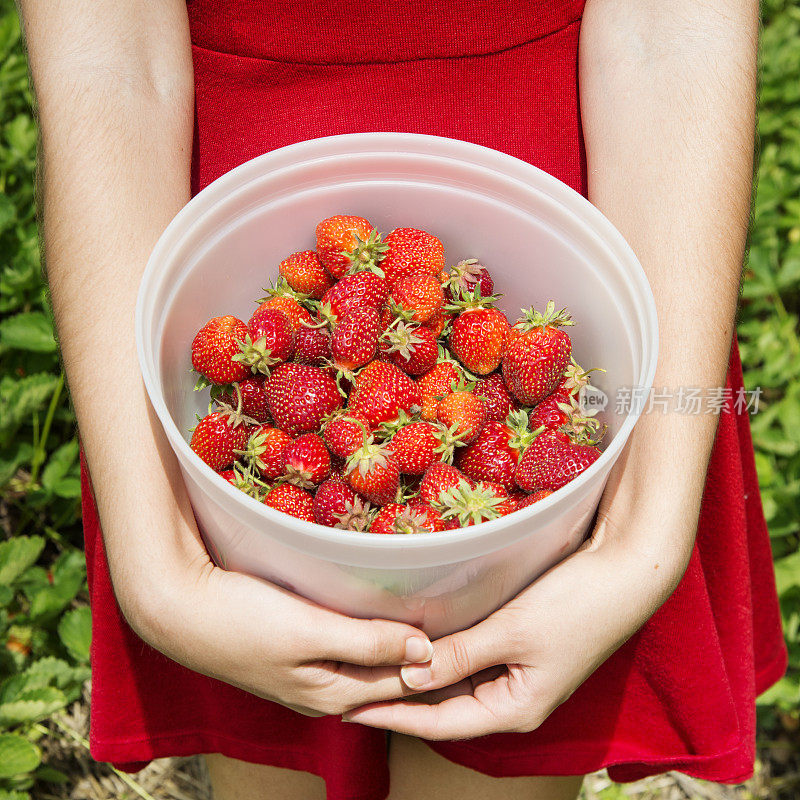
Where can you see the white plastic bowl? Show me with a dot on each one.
(540, 240)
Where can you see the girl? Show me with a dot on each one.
(648, 108)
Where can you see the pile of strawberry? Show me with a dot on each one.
(375, 389)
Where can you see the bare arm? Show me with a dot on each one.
(115, 92)
(667, 103)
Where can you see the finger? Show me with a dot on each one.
(462, 654)
(489, 710)
(369, 643)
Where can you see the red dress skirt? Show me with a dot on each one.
(501, 73)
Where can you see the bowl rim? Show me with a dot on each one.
(413, 144)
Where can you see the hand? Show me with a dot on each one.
(547, 641)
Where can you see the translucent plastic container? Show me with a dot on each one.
(540, 240)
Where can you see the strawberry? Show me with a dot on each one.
(534, 364)
(291, 500)
(305, 274)
(438, 478)
(433, 519)
(419, 296)
(265, 451)
(471, 505)
(254, 401)
(417, 445)
(479, 334)
(243, 481)
(217, 437)
(508, 503)
(411, 347)
(498, 400)
(412, 251)
(465, 277)
(535, 497)
(373, 472)
(308, 461)
(493, 455)
(437, 382)
(330, 501)
(439, 322)
(269, 341)
(355, 338)
(357, 516)
(382, 390)
(552, 412)
(345, 242)
(356, 291)
(215, 348)
(290, 306)
(402, 518)
(300, 397)
(345, 431)
(552, 461)
(464, 413)
(313, 345)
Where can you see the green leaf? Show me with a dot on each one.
(59, 465)
(17, 554)
(17, 755)
(29, 330)
(21, 397)
(12, 458)
(75, 630)
(10, 794)
(32, 705)
(51, 775)
(8, 212)
(787, 572)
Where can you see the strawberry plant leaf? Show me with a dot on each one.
(75, 630)
(8, 212)
(32, 705)
(17, 755)
(12, 458)
(62, 473)
(29, 330)
(17, 554)
(21, 397)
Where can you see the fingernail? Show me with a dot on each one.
(418, 650)
(415, 677)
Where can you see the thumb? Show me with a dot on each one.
(462, 654)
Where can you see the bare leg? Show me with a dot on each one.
(239, 780)
(418, 772)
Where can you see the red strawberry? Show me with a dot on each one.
(355, 338)
(419, 444)
(254, 401)
(217, 437)
(313, 346)
(300, 397)
(290, 306)
(552, 461)
(465, 277)
(552, 412)
(291, 500)
(345, 242)
(438, 478)
(401, 518)
(215, 347)
(269, 341)
(495, 452)
(412, 251)
(535, 497)
(534, 364)
(438, 322)
(345, 432)
(507, 504)
(382, 390)
(419, 295)
(433, 519)
(495, 394)
(373, 472)
(462, 412)
(356, 291)
(305, 274)
(412, 348)
(479, 334)
(435, 384)
(308, 461)
(243, 481)
(265, 451)
(338, 506)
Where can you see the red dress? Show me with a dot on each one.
(501, 73)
